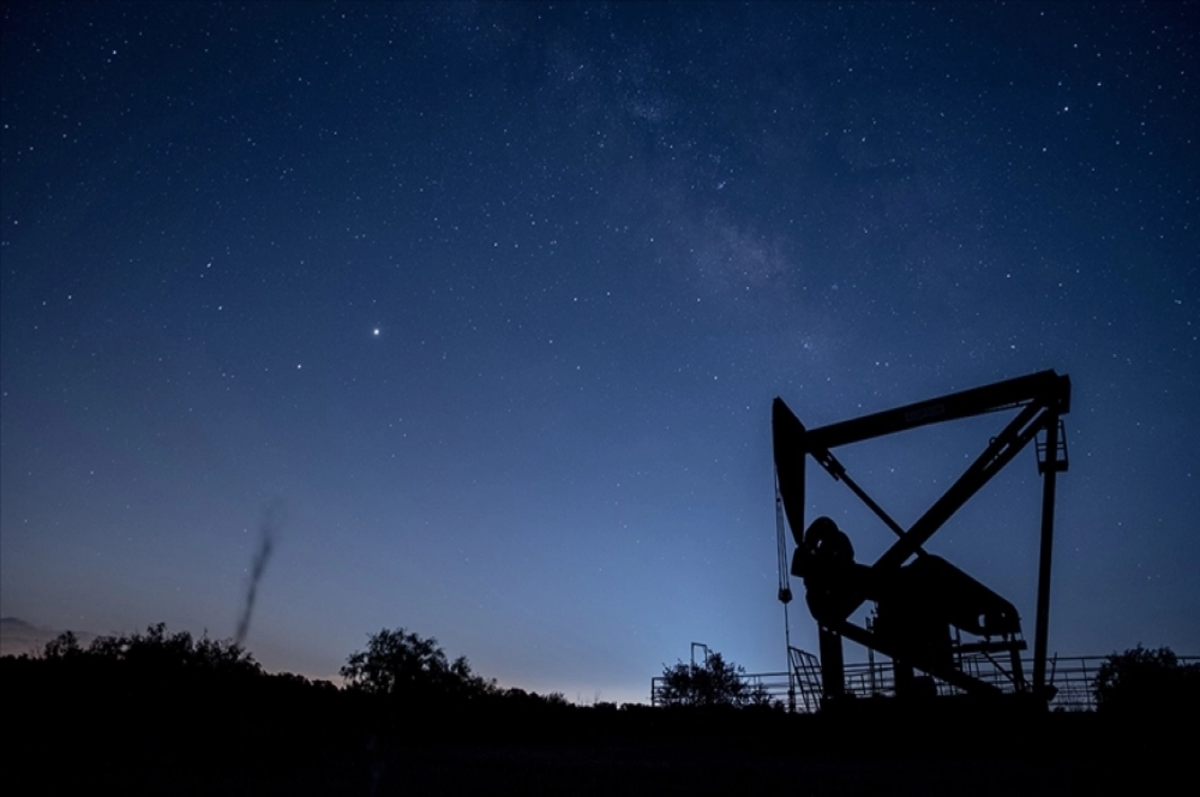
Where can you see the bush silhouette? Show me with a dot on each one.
(156, 652)
(715, 683)
(1142, 680)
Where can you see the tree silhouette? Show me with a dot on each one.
(715, 683)
(64, 646)
(404, 665)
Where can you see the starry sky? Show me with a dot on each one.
(480, 308)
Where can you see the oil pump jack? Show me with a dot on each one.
(923, 604)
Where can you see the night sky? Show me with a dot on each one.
(481, 307)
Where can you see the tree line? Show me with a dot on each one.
(402, 671)
(398, 668)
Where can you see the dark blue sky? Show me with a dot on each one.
(487, 303)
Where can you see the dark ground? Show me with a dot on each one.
(81, 724)
(588, 751)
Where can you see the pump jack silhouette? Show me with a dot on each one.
(923, 606)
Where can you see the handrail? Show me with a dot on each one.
(1074, 679)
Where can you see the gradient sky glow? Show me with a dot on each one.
(486, 303)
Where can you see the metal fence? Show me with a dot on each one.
(1073, 678)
